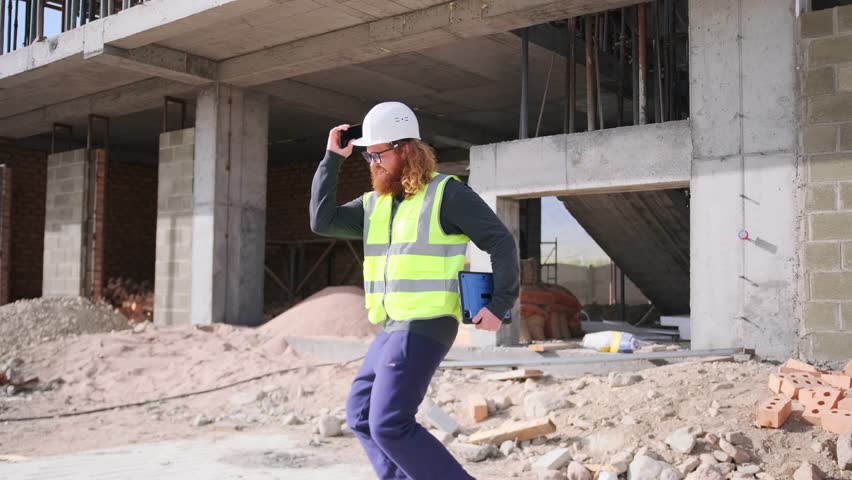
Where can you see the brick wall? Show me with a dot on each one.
(5, 230)
(826, 43)
(130, 221)
(96, 276)
(173, 264)
(63, 228)
(26, 238)
(288, 221)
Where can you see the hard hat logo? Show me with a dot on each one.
(389, 122)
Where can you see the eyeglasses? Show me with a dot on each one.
(376, 157)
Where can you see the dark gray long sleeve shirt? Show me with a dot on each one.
(462, 212)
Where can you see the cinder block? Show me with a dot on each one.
(166, 155)
(846, 136)
(826, 51)
(830, 346)
(822, 256)
(831, 286)
(184, 153)
(832, 167)
(821, 197)
(821, 316)
(846, 195)
(844, 18)
(819, 138)
(831, 226)
(773, 412)
(844, 78)
(846, 315)
(818, 23)
(478, 407)
(830, 108)
(837, 421)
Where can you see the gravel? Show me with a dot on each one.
(30, 322)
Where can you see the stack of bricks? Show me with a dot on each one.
(64, 219)
(175, 203)
(826, 79)
(824, 399)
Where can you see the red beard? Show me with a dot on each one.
(385, 182)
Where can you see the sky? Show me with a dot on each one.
(52, 23)
(575, 245)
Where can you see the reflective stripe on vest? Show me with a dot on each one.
(411, 270)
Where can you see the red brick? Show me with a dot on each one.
(478, 407)
(837, 421)
(795, 366)
(775, 382)
(823, 398)
(773, 412)
(837, 380)
(793, 382)
(813, 416)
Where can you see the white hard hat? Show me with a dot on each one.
(388, 122)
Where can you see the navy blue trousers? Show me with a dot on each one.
(383, 402)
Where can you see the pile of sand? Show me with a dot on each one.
(28, 322)
(125, 367)
(333, 311)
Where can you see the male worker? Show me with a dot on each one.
(415, 226)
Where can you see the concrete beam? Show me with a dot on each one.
(645, 157)
(418, 30)
(159, 61)
(118, 101)
(303, 97)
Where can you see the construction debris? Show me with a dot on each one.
(520, 374)
(517, 431)
(821, 402)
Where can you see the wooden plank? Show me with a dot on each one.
(551, 347)
(478, 407)
(518, 431)
(520, 374)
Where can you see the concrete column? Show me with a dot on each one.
(229, 216)
(64, 223)
(173, 264)
(744, 175)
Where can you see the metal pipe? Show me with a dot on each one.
(544, 97)
(13, 41)
(3, 27)
(523, 130)
(104, 8)
(643, 62)
(670, 59)
(75, 7)
(621, 39)
(110, 7)
(27, 15)
(84, 4)
(598, 82)
(659, 104)
(39, 34)
(590, 76)
(91, 14)
(634, 55)
(571, 75)
(125, 4)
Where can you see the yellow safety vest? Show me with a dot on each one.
(411, 270)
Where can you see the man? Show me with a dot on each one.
(415, 226)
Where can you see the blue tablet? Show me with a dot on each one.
(475, 290)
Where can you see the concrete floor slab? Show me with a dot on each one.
(238, 456)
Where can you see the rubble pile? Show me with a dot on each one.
(29, 322)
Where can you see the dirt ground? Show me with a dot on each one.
(594, 420)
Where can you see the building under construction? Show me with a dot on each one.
(705, 145)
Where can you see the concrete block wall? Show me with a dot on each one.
(26, 225)
(826, 149)
(63, 228)
(173, 258)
